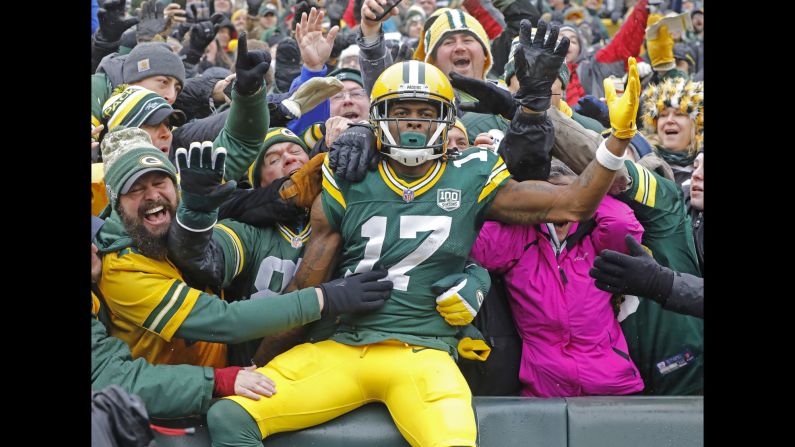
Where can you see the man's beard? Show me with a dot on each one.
(150, 245)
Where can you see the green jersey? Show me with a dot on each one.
(259, 263)
(667, 347)
(420, 230)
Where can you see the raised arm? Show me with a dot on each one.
(532, 202)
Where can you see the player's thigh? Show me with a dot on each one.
(430, 401)
(314, 383)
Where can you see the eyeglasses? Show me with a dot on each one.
(355, 94)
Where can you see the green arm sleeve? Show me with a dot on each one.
(215, 320)
(167, 390)
(244, 132)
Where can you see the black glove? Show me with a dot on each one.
(250, 68)
(402, 52)
(201, 34)
(111, 20)
(196, 13)
(538, 65)
(353, 153)
(153, 22)
(491, 98)
(638, 274)
(201, 171)
(301, 7)
(253, 7)
(356, 293)
(591, 107)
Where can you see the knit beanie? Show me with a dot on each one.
(460, 126)
(275, 135)
(584, 43)
(419, 53)
(128, 154)
(152, 59)
(136, 106)
(452, 22)
(681, 94)
(348, 74)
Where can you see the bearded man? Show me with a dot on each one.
(152, 308)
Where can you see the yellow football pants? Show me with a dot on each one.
(427, 396)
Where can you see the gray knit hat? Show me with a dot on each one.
(152, 59)
(128, 154)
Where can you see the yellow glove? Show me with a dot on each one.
(661, 50)
(564, 107)
(306, 183)
(473, 349)
(451, 305)
(624, 110)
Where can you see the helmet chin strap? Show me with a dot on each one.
(412, 150)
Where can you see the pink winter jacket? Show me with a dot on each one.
(572, 343)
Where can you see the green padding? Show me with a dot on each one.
(370, 425)
(636, 421)
(627, 421)
(520, 421)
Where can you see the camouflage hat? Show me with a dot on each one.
(128, 154)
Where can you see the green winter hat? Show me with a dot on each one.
(128, 154)
(275, 135)
(136, 106)
(348, 74)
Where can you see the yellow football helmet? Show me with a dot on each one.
(412, 81)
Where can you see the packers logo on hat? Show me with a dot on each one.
(287, 132)
(150, 161)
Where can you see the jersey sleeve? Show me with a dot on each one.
(238, 241)
(495, 175)
(332, 198)
(651, 190)
(147, 292)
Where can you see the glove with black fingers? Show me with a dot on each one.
(491, 98)
(201, 34)
(356, 293)
(201, 172)
(251, 67)
(112, 22)
(354, 152)
(197, 12)
(538, 64)
(153, 21)
(591, 107)
(634, 274)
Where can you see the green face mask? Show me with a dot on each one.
(412, 139)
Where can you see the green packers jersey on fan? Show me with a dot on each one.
(421, 230)
(259, 263)
(667, 347)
